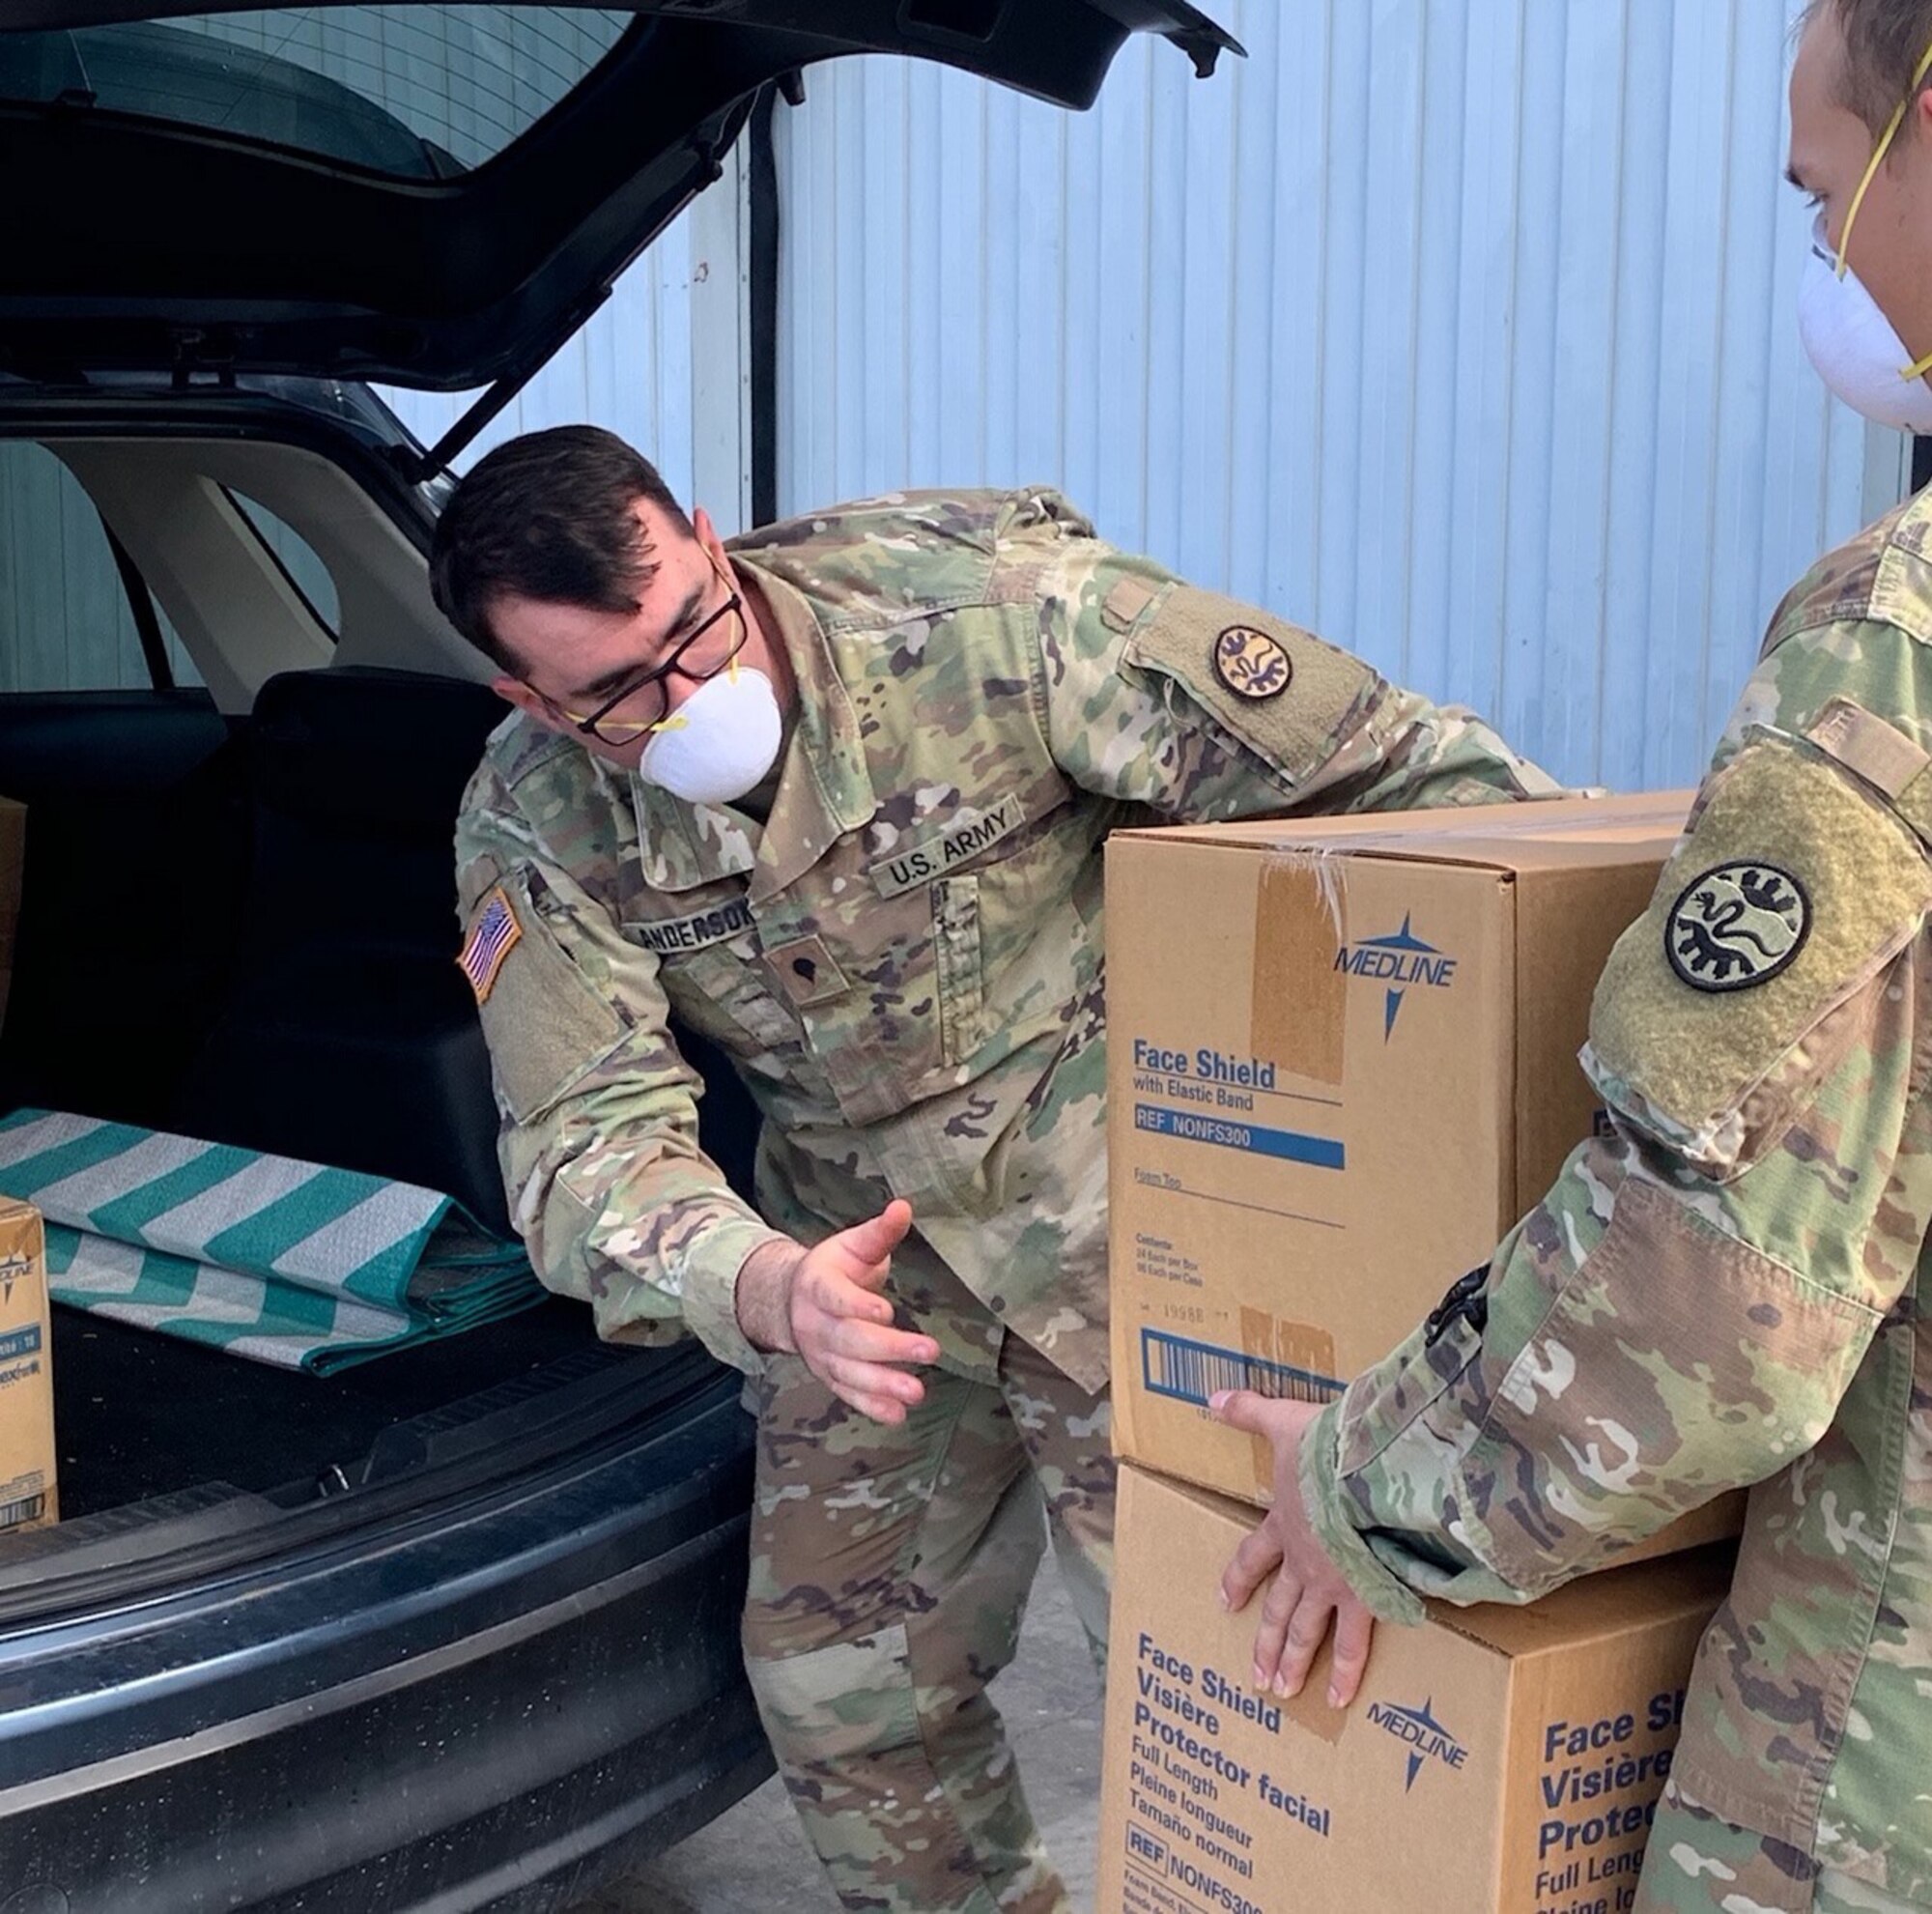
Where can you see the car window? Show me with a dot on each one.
(421, 92)
(65, 622)
(298, 558)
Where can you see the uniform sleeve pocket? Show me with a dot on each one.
(1280, 691)
(546, 1024)
(955, 942)
(1714, 1020)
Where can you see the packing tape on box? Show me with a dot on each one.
(1292, 1361)
(1301, 924)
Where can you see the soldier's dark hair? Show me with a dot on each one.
(1884, 40)
(547, 516)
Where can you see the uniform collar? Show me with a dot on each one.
(824, 789)
(682, 846)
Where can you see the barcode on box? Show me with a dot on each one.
(27, 1508)
(1190, 1371)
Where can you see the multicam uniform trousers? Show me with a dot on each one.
(889, 1572)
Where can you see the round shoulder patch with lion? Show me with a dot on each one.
(1737, 925)
(1251, 664)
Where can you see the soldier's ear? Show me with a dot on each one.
(514, 691)
(707, 536)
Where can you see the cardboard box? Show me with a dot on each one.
(1341, 1065)
(13, 855)
(1496, 1761)
(28, 1497)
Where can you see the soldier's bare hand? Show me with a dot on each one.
(1306, 1593)
(842, 1327)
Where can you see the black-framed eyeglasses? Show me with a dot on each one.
(702, 653)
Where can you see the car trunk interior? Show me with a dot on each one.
(243, 930)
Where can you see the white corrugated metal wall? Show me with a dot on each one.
(1459, 330)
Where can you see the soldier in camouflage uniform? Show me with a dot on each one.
(895, 937)
(1724, 1290)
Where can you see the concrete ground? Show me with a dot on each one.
(754, 1861)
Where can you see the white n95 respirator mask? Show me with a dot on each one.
(1847, 338)
(721, 742)
(1853, 348)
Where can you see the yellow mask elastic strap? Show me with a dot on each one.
(1886, 139)
(1919, 367)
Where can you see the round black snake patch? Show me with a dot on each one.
(1736, 925)
(1251, 664)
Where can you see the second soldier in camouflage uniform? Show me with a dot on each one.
(898, 944)
(1726, 1290)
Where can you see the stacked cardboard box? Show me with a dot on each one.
(1342, 1066)
(1497, 1760)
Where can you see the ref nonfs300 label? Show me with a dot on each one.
(1400, 961)
(1289, 1146)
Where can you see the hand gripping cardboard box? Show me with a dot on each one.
(28, 1497)
(1497, 1760)
(1342, 1064)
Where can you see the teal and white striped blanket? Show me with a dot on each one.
(263, 1257)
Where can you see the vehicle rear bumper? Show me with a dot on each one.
(459, 1709)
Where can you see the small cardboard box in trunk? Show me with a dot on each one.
(1497, 1762)
(1341, 1065)
(27, 1492)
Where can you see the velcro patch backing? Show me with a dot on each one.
(1694, 1056)
(1864, 743)
(1296, 730)
(545, 1023)
(1125, 602)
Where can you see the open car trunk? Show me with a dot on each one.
(243, 930)
(452, 1628)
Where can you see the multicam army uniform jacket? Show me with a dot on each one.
(903, 960)
(1726, 1290)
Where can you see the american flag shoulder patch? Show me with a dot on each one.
(493, 934)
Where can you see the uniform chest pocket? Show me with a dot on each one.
(712, 975)
(1004, 927)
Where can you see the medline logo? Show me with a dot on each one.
(1426, 1738)
(1399, 961)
